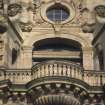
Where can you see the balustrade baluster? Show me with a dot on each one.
(51, 70)
(96, 78)
(47, 70)
(60, 69)
(90, 79)
(72, 71)
(55, 69)
(64, 70)
(93, 79)
(86, 77)
(68, 71)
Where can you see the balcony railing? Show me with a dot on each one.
(16, 76)
(68, 69)
(94, 78)
(54, 69)
(57, 68)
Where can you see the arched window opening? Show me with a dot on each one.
(57, 49)
(101, 60)
(56, 44)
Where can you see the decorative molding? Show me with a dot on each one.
(25, 27)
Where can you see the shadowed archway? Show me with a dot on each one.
(57, 49)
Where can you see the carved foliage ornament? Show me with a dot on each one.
(100, 11)
(13, 9)
(26, 27)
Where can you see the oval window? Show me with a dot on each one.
(58, 13)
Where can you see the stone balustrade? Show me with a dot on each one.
(94, 78)
(54, 69)
(57, 68)
(68, 69)
(16, 76)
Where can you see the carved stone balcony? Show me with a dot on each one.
(63, 69)
(54, 69)
(60, 82)
(57, 69)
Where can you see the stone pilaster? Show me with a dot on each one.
(88, 59)
(27, 57)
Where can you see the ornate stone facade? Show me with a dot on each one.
(52, 52)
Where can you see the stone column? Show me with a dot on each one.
(88, 58)
(27, 57)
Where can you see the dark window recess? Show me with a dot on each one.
(58, 13)
(101, 60)
(2, 29)
(14, 55)
(56, 47)
(57, 44)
